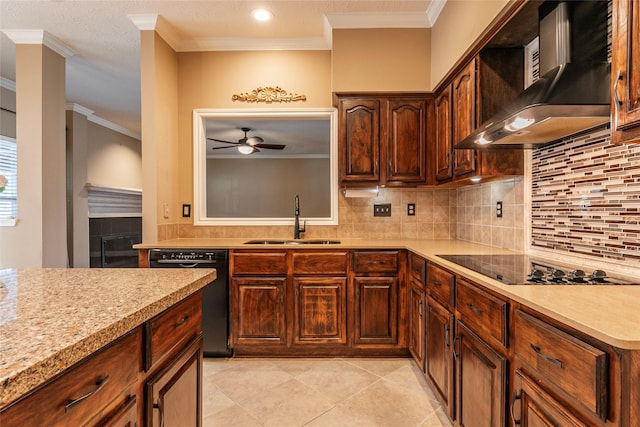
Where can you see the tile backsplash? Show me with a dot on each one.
(586, 197)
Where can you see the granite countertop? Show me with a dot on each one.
(52, 318)
(608, 313)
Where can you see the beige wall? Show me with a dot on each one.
(113, 159)
(159, 77)
(210, 79)
(459, 25)
(381, 60)
(39, 237)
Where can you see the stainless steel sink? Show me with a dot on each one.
(292, 242)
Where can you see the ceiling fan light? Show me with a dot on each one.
(254, 140)
(245, 149)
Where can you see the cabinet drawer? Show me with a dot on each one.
(259, 263)
(482, 312)
(175, 326)
(441, 285)
(375, 262)
(560, 359)
(324, 263)
(85, 391)
(417, 268)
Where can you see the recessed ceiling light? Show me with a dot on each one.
(261, 15)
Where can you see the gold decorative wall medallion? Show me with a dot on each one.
(268, 95)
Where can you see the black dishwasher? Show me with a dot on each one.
(215, 295)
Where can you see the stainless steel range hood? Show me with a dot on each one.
(573, 93)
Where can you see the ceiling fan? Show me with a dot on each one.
(248, 145)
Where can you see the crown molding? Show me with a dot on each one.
(377, 20)
(246, 44)
(433, 11)
(102, 122)
(155, 22)
(40, 37)
(8, 84)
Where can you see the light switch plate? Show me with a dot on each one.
(382, 209)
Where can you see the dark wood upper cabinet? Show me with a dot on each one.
(359, 140)
(442, 149)
(382, 138)
(625, 71)
(464, 117)
(406, 140)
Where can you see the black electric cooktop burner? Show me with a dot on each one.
(525, 270)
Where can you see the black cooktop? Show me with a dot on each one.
(526, 270)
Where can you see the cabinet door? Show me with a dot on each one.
(626, 70)
(376, 310)
(257, 310)
(416, 323)
(406, 140)
(125, 416)
(443, 148)
(531, 406)
(464, 117)
(359, 140)
(481, 381)
(320, 310)
(439, 358)
(174, 394)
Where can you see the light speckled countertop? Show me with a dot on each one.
(608, 313)
(52, 318)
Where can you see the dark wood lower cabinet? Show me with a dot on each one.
(417, 311)
(439, 358)
(531, 406)
(376, 310)
(320, 312)
(481, 385)
(174, 394)
(258, 311)
(125, 416)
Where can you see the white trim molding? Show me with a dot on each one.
(433, 11)
(40, 37)
(105, 201)
(102, 122)
(155, 22)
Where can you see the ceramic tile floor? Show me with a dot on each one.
(318, 392)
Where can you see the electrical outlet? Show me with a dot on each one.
(411, 209)
(382, 209)
(499, 210)
(186, 211)
(165, 208)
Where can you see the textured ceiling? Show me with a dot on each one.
(103, 75)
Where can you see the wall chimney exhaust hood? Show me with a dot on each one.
(573, 93)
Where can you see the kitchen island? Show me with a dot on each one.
(51, 320)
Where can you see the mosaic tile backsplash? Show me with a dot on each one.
(586, 197)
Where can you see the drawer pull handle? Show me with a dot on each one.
(476, 310)
(546, 357)
(182, 321)
(158, 406)
(436, 282)
(516, 396)
(99, 384)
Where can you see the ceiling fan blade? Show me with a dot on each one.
(220, 140)
(219, 148)
(271, 146)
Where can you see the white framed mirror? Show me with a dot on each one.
(249, 164)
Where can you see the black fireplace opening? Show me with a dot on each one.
(111, 242)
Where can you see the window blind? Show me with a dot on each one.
(8, 169)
